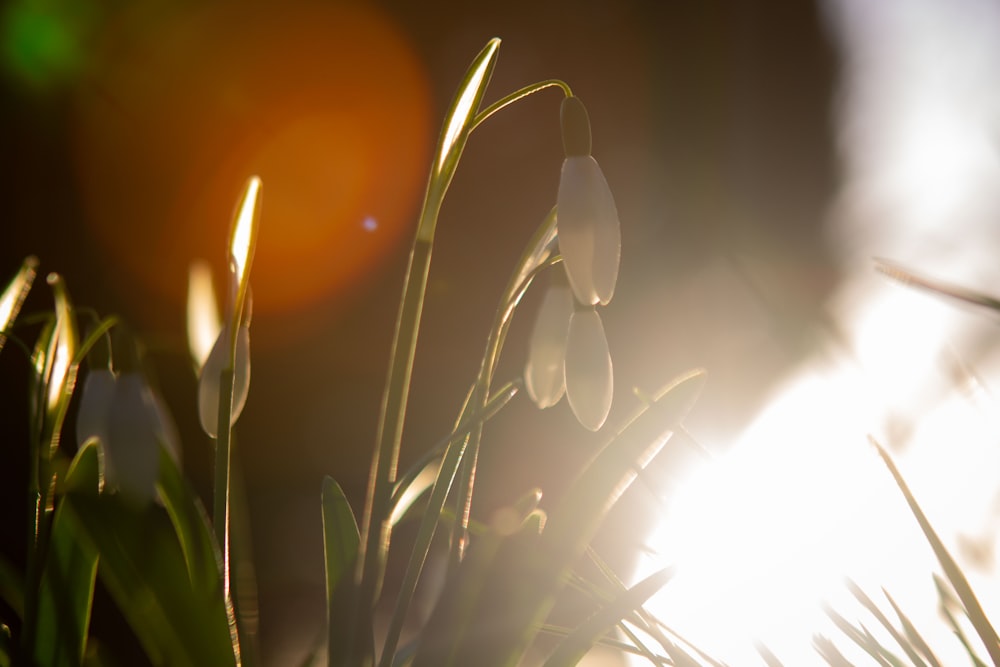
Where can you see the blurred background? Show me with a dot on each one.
(127, 130)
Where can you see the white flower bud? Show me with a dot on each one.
(132, 449)
(543, 375)
(95, 403)
(589, 231)
(589, 381)
(211, 373)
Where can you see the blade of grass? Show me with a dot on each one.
(572, 649)
(829, 652)
(143, 567)
(51, 388)
(340, 550)
(946, 602)
(896, 272)
(610, 642)
(425, 534)
(899, 638)
(644, 620)
(860, 637)
(66, 589)
(202, 556)
(911, 631)
(14, 294)
(404, 487)
(768, 656)
(951, 569)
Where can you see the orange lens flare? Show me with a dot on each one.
(328, 104)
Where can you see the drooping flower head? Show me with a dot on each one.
(544, 376)
(129, 422)
(589, 377)
(587, 219)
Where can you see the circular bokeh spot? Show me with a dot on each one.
(328, 104)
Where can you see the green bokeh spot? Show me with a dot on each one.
(40, 46)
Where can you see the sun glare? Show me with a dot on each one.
(765, 538)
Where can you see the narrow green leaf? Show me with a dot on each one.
(947, 602)
(899, 638)
(143, 567)
(951, 569)
(340, 534)
(912, 633)
(767, 655)
(906, 277)
(340, 546)
(14, 294)
(191, 524)
(572, 649)
(863, 639)
(65, 593)
(84, 473)
(829, 652)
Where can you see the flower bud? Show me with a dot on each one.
(132, 449)
(95, 403)
(589, 380)
(543, 375)
(210, 378)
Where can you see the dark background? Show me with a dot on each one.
(124, 145)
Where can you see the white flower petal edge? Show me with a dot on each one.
(211, 372)
(589, 378)
(544, 377)
(133, 444)
(589, 230)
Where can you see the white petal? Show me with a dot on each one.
(589, 231)
(208, 383)
(589, 381)
(95, 402)
(543, 375)
(132, 453)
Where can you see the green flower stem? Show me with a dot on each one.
(220, 500)
(517, 95)
(375, 527)
(375, 530)
(532, 260)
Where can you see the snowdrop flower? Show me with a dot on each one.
(589, 231)
(211, 375)
(589, 379)
(568, 353)
(130, 425)
(544, 377)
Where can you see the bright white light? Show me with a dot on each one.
(369, 224)
(765, 536)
